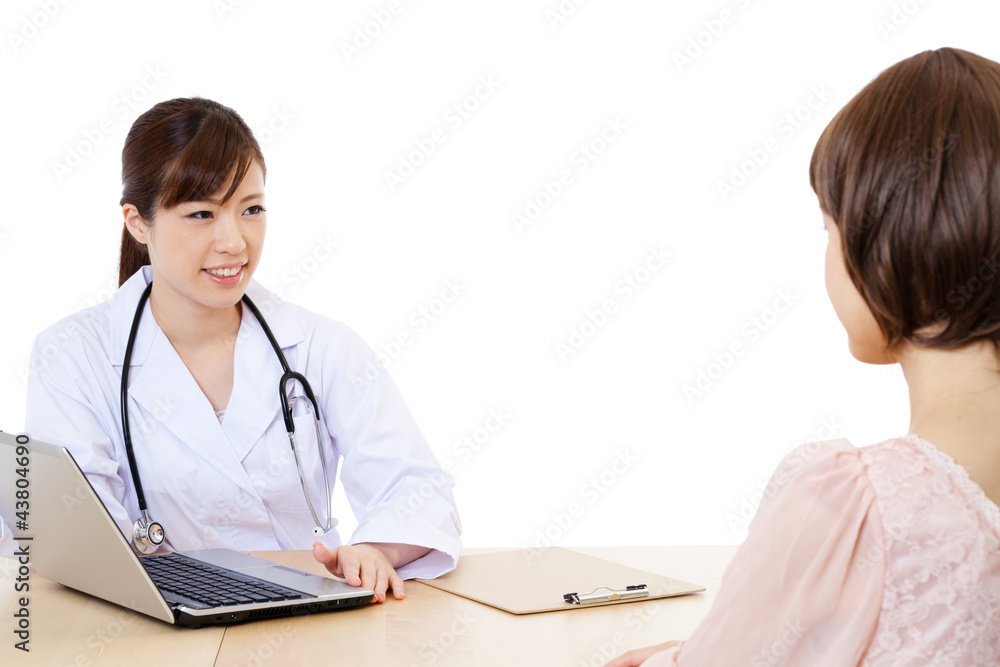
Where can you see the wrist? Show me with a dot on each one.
(399, 554)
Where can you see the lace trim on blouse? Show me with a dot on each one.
(986, 507)
(941, 533)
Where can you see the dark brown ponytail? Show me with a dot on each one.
(180, 150)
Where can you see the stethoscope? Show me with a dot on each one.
(148, 535)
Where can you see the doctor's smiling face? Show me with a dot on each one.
(193, 202)
(203, 253)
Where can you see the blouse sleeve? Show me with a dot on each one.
(804, 587)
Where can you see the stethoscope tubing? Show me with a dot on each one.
(126, 434)
(286, 410)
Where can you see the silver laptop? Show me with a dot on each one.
(71, 538)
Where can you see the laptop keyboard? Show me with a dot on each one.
(211, 586)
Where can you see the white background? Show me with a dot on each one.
(332, 123)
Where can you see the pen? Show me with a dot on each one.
(627, 593)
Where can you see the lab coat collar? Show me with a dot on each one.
(122, 314)
(163, 386)
(279, 315)
(280, 318)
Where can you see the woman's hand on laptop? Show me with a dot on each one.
(370, 565)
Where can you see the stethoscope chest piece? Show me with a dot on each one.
(147, 536)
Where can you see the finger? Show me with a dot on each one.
(381, 584)
(396, 584)
(369, 574)
(350, 564)
(327, 557)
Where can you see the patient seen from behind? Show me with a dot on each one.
(889, 554)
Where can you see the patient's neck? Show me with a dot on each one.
(955, 404)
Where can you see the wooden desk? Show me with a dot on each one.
(429, 627)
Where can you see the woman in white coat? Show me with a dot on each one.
(211, 448)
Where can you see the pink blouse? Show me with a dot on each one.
(885, 555)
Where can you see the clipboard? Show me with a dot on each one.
(531, 581)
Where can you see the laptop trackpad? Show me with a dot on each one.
(279, 574)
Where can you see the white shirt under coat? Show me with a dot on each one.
(234, 484)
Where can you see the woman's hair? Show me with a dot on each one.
(909, 171)
(180, 150)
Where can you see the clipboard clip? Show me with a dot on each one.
(627, 593)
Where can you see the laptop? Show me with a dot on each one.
(71, 538)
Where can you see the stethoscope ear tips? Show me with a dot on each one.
(317, 531)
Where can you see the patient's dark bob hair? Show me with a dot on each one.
(178, 151)
(909, 171)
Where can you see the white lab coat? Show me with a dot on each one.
(235, 484)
